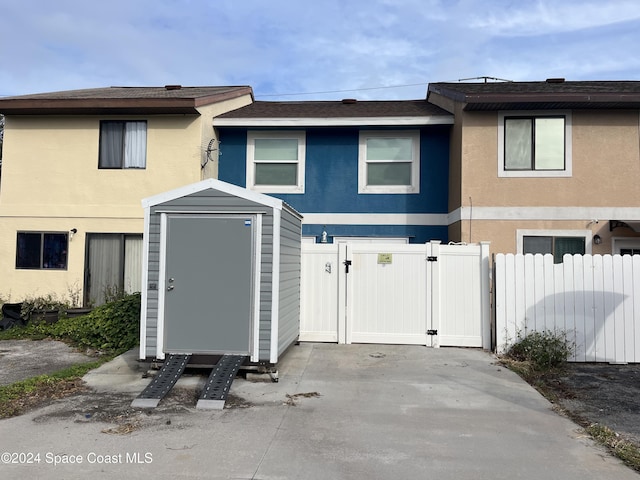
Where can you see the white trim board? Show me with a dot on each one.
(213, 184)
(375, 219)
(144, 282)
(543, 213)
(333, 122)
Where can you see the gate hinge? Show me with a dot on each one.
(432, 332)
(346, 264)
(432, 259)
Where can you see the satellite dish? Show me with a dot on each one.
(209, 151)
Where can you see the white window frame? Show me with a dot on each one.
(618, 243)
(298, 135)
(414, 135)
(568, 165)
(586, 234)
(134, 146)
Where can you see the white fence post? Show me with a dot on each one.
(485, 293)
(433, 289)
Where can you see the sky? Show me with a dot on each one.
(312, 49)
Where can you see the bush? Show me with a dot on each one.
(33, 307)
(112, 327)
(544, 350)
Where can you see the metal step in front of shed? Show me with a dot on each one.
(213, 395)
(163, 382)
(215, 392)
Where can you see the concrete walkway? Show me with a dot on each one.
(338, 412)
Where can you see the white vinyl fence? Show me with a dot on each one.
(425, 294)
(595, 299)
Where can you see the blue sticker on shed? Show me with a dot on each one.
(247, 223)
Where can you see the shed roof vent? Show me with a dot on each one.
(173, 87)
(555, 80)
(348, 101)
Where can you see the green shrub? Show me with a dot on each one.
(31, 306)
(112, 327)
(543, 350)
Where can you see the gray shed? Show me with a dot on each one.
(221, 273)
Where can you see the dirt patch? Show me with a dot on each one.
(22, 359)
(600, 393)
(115, 411)
(293, 399)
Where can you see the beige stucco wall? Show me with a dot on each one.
(20, 284)
(606, 164)
(606, 171)
(208, 112)
(51, 182)
(50, 166)
(503, 233)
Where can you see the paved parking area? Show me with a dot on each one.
(338, 412)
(22, 359)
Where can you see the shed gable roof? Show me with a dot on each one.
(550, 94)
(213, 184)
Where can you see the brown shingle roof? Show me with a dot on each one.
(312, 112)
(121, 100)
(550, 94)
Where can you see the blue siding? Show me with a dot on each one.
(416, 233)
(331, 180)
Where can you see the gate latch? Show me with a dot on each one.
(432, 332)
(346, 264)
(432, 259)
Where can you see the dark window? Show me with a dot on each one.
(36, 250)
(630, 251)
(534, 143)
(556, 246)
(123, 144)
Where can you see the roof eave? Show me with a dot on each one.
(333, 122)
(116, 106)
(221, 97)
(96, 106)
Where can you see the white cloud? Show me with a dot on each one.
(289, 47)
(552, 16)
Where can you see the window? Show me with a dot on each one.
(389, 162)
(37, 250)
(275, 161)
(626, 246)
(113, 265)
(123, 144)
(534, 144)
(556, 246)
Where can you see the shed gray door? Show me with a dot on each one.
(209, 279)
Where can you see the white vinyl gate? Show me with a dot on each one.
(425, 294)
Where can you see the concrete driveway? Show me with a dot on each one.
(338, 412)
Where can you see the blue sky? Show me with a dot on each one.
(348, 48)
